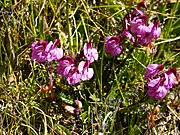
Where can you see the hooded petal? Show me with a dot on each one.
(86, 72)
(171, 77)
(156, 90)
(142, 4)
(112, 45)
(58, 53)
(152, 70)
(49, 47)
(126, 33)
(38, 51)
(65, 65)
(90, 53)
(73, 77)
(156, 31)
(55, 54)
(56, 42)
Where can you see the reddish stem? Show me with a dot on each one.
(51, 83)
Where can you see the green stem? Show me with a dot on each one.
(69, 27)
(118, 85)
(101, 71)
(168, 27)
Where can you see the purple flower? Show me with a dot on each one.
(149, 32)
(43, 51)
(171, 76)
(67, 69)
(156, 31)
(38, 51)
(74, 69)
(65, 65)
(135, 26)
(160, 82)
(72, 73)
(86, 72)
(152, 70)
(112, 45)
(138, 25)
(126, 33)
(90, 53)
(74, 76)
(156, 88)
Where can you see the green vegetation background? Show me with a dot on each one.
(115, 100)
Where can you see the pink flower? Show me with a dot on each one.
(127, 34)
(43, 51)
(160, 82)
(138, 25)
(156, 88)
(74, 76)
(148, 33)
(72, 73)
(135, 27)
(135, 24)
(156, 31)
(67, 69)
(86, 72)
(112, 45)
(152, 70)
(65, 65)
(74, 69)
(38, 51)
(90, 53)
(171, 76)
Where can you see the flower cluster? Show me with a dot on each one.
(73, 69)
(136, 29)
(77, 69)
(160, 80)
(43, 51)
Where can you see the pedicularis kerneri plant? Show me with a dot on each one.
(43, 51)
(72, 69)
(160, 80)
(136, 29)
(77, 69)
